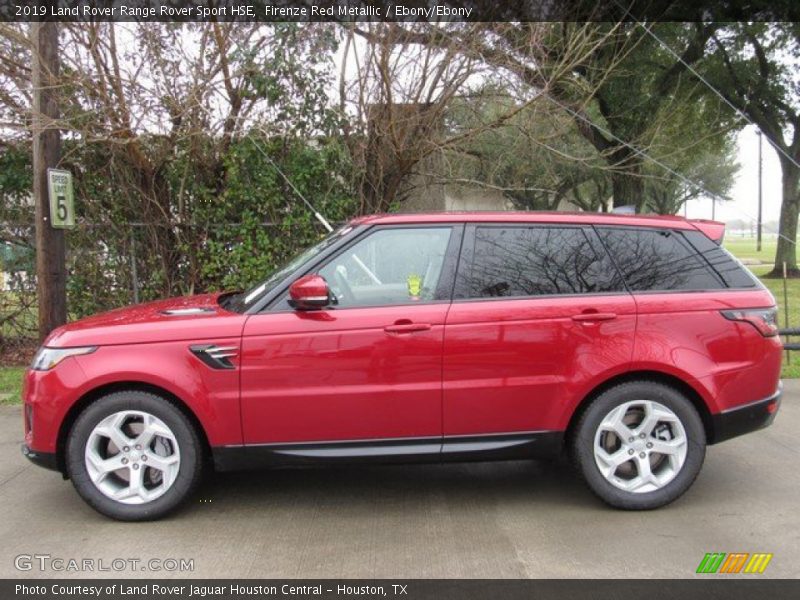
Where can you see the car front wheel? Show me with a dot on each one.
(133, 456)
(639, 445)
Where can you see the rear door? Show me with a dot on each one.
(539, 317)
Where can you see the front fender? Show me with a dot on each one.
(211, 394)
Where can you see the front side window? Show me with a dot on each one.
(511, 261)
(243, 301)
(389, 267)
(658, 260)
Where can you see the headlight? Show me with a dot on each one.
(47, 358)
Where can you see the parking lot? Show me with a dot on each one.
(520, 519)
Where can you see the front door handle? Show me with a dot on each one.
(406, 326)
(591, 317)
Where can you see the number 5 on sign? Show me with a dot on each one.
(62, 200)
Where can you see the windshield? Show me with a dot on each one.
(242, 301)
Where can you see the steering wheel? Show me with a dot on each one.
(345, 291)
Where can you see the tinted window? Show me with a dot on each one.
(658, 259)
(731, 270)
(535, 261)
(389, 266)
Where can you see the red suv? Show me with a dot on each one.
(630, 342)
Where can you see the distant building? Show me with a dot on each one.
(408, 129)
(430, 190)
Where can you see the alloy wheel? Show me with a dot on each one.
(640, 446)
(132, 457)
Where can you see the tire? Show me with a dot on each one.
(134, 482)
(657, 417)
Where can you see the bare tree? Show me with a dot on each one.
(616, 83)
(398, 96)
(142, 101)
(409, 77)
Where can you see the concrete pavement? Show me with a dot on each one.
(520, 519)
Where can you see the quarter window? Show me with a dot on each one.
(658, 260)
(730, 269)
(535, 261)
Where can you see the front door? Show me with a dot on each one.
(368, 367)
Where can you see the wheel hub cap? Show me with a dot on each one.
(640, 446)
(132, 457)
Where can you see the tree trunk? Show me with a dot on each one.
(627, 185)
(787, 238)
(628, 189)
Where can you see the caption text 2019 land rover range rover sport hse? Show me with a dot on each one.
(629, 342)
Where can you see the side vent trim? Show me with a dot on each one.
(216, 357)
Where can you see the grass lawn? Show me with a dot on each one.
(11, 385)
(745, 248)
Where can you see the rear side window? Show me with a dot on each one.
(731, 270)
(511, 261)
(658, 260)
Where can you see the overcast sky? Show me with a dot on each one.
(744, 203)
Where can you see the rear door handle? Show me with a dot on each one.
(592, 317)
(407, 327)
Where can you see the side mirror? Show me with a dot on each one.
(310, 292)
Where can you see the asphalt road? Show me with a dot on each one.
(521, 519)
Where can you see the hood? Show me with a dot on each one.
(174, 319)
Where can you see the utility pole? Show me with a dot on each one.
(50, 244)
(760, 175)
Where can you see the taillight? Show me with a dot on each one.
(763, 319)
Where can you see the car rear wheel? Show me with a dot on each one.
(639, 445)
(134, 456)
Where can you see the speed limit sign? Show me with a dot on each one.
(62, 200)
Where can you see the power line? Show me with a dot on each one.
(310, 206)
(722, 97)
(636, 150)
(705, 81)
(643, 154)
